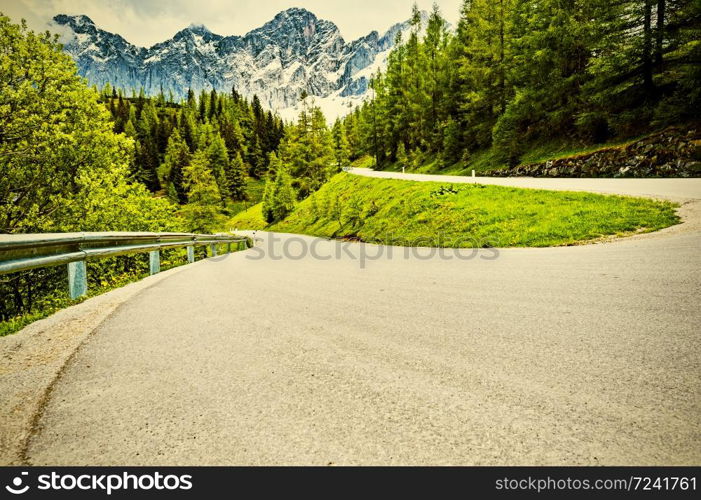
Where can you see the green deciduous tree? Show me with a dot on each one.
(61, 166)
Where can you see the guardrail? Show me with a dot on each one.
(20, 252)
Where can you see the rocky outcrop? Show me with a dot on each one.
(673, 152)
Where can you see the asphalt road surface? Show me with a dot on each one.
(579, 355)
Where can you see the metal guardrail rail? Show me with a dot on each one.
(20, 252)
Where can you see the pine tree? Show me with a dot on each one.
(645, 55)
(275, 165)
(279, 198)
(219, 164)
(191, 100)
(233, 135)
(202, 213)
(482, 48)
(350, 124)
(452, 144)
(170, 173)
(255, 158)
(236, 179)
(516, 72)
(436, 77)
(130, 129)
(308, 150)
(340, 145)
(213, 105)
(148, 160)
(549, 44)
(202, 106)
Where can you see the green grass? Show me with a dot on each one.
(365, 161)
(60, 300)
(462, 215)
(254, 188)
(248, 219)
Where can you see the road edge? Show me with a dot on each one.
(34, 358)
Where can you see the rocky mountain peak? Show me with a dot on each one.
(78, 23)
(295, 30)
(197, 32)
(295, 52)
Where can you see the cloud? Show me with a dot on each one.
(146, 22)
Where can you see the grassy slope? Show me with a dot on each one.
(254, 189)
(465, 215)
(249, 219)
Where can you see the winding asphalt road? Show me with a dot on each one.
(580, 355)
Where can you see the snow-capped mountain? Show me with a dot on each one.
(294, 52)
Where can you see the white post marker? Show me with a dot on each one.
(474, 179)
(402, 169)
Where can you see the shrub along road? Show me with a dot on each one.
(578, 355)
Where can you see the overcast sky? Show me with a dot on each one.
(146, 22)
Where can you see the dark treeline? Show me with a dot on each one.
(227, 132)
(515, 72)
(199, 153)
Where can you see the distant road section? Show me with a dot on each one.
(672, 189)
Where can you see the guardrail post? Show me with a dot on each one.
(190, 254)
(77, 279)
(213, 249)
(228, 247)
(154, 260)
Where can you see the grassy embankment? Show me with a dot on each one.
(254, 190)
(461, 215)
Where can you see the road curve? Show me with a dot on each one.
(580, 355)
(672, 189)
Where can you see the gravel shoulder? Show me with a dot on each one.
(34, 358)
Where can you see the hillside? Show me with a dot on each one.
(409, 213)
(560, 78)
(672, 152)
